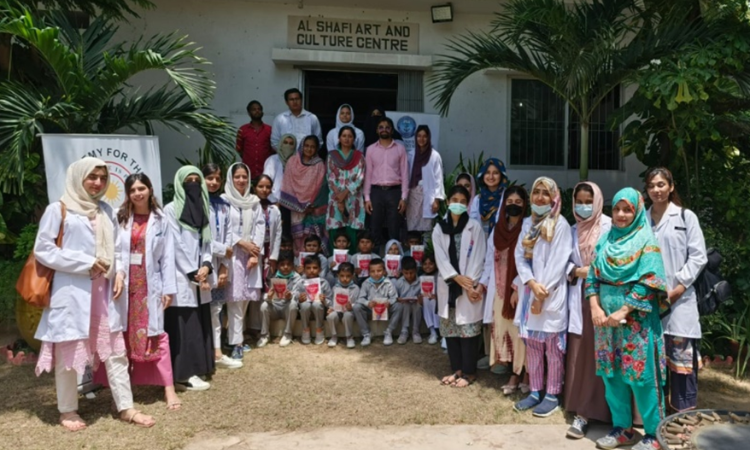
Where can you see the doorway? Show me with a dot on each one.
(325, 91)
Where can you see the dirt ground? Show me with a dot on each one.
(298, 388)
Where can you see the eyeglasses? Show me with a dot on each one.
(385, 127)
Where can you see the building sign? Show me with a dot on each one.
(352, 35)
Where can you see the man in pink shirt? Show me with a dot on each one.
(386, 183)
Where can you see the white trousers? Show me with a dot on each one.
(66, 383)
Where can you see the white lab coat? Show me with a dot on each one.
(432, 182)
(683, 251)
(189, 256)
(275, 170)
(274, 226)
(220, 242)
(253, 278)
(68, 316)
(548, 268)
(470, 263)
(575, 321)
(160, 269)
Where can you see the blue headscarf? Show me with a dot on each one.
(489, 201)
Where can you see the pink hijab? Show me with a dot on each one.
(589, 230)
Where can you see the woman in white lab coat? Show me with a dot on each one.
(584, 390)
(221, 249)
(248, 229)
(460, 246)
(188, 320)
(542, 256)
(684, 254)
(425, 183)
(146, 270)
(272, 215)
(82, 324)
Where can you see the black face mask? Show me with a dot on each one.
(514, 210)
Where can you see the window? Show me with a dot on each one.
(543, 129)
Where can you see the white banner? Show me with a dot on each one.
(407, 122)
(124, 155)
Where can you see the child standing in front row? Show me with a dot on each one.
(429, 301)
(317, 304)
(360, 260)
(377, 287)
(346, 282)
(409, 289)
(283, 306)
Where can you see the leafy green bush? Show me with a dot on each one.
(9, 271)
(25, 241)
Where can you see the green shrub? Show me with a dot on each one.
(9, 271)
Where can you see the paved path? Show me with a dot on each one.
(413, 437)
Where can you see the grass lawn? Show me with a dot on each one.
(294, 388)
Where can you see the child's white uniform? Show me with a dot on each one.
(281, 309)
(429, 306)
(412, 314)
(347, 317)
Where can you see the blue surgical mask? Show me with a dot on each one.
(584, 211)
(457, 208)
(347, 284)
(540, 210)
(378, 281)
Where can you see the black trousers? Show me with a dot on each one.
(286, 222)
(385, 214)
(463, 354)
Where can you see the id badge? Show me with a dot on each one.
(136, 259)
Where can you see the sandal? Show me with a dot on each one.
(74, 422)
(450, 380)
(143, 424)
(174, 406)
(509, 389)
(525, 388)
(464, 382)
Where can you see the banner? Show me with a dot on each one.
(407, 122)
(124, 155)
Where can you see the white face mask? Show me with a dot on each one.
(540, 210)
(584, 211)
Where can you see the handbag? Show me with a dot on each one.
(35, 282)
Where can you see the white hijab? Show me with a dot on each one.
(78, 201)
(245, 203)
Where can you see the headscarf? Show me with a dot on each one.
(421, 158)
(630, 254)
(543, 225)
(77, 200)
(446, 226)
(286, 151)
(505, 239)
(244, 202)
(339, 123)
(473, 187)
(589, 230)
(345, 163)
(489, 201)
(390, 243)
(303, 182)
(191, 204)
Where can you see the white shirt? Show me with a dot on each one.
(275, 170)
(300, 126)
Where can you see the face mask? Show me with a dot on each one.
(457, 208)
(514, 210)
(287, 148)
(584, 211)
(540, 210)
(281, 275)
(347, 284)
(378, 281)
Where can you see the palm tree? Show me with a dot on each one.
(582, 51)
(86, 88)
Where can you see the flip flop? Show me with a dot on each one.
(509, 389)
(455, 377)
(132, 417)
(174, 406)
(469, 382)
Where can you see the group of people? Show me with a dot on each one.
(149, 291)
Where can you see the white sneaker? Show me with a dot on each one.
(402, 338)
(305, 336)
(285, 340)
(194, 383)
(320, 337)
(350, 342)
(366, 340)
(387, 338)
(417, 338)
(263, 341)
(433, 338)
(333, 341)
(226, 362)
(443, 344)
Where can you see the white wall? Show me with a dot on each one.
(238, 36)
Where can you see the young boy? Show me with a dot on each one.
(409, 289)
(341, 242)
(287, 245)
(314, 245)
(345, 281)
(376, 287)
(412, 238)
(317, 304)
(365, 245)
(282, 307)
(429, 302)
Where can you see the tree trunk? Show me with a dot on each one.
(584, 160)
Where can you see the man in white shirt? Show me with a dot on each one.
(296, 121)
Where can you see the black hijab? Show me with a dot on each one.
(447, 227)
(193, 213)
